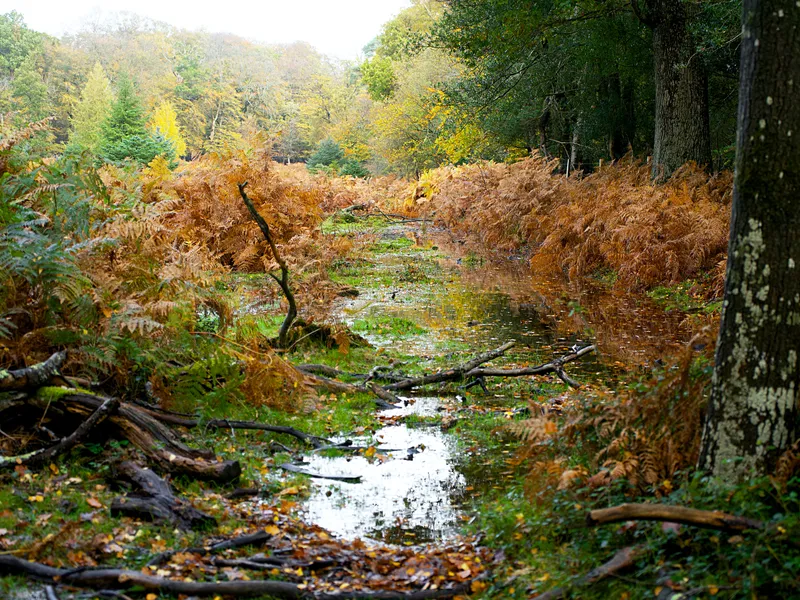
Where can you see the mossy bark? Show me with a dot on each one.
(753, 412)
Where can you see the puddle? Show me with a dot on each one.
(404, 499)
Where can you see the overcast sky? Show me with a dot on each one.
(339, 28)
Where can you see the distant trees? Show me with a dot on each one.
(753, 412)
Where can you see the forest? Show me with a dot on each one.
(505, 307)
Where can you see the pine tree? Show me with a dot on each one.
(92, 110)
(124, 133)
(165, 122)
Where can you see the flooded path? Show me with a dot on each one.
(419, 301)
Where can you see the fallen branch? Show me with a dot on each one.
(555, 366)
(283, 281)
(622, 560)
(300, 471)
(673, 514)
(454, 374)
(313, 440)
(31, 378)
(156, 501)
(46, 455)
(384, 398)
(258, 538)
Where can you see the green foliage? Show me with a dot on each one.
(92, 111)
(17, 42)
(352, 168)
(29, 91)
(328, 154)
(378, 75)
(124, 135)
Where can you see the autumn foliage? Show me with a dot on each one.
(615, 219)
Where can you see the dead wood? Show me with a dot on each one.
(283, 280)
(313, 440)
(50, 593)
(122, 579)
(251, 539)
(31, 378)
(453, 374)
(159, 443)
(673, 514)
(46, 455)
(622, 560)
(301, 471)
(555, 366)
(155, 500)
(125, 579)
(383, 400)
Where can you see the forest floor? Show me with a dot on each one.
(455, 492)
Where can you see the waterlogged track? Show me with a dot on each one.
(439, 309)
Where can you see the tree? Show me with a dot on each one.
(682, 131)
(328, 154)
(124, 132)
(165, 122)
(29, 91)
(753, 410)
(92, 110)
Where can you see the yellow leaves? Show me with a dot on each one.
(151, 597)
(370, 452)
(36, 498)
(272, 529)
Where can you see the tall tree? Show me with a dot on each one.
(92, 110)
(681, 120)
(753, 412)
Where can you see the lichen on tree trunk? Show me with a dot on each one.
(753, 412)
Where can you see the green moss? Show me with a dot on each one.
(388, 325)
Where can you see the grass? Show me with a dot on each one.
(682, 297)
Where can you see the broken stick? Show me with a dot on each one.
(673, 514)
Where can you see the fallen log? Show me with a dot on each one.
(123, 579)
(31, 378)
(673, 514)
(384, 398)
(555, 366)
(46, 455)
(159, 443)
(156, 501)
(454, 374)
(300, 471)
(622, 560)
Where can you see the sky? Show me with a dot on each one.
(338, 28)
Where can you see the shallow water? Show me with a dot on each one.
(465, 311)
(404, 498)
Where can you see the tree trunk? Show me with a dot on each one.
(682, 126)
(753, 413)
(617, 144)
